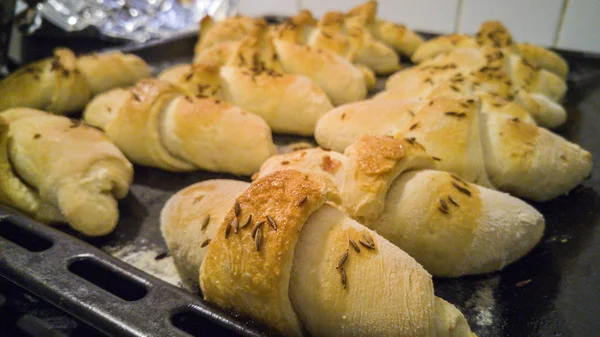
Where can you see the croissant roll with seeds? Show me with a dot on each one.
(353, 42)
(260, 50)
(358, 36)
(61, 171)
(288, 103)
(304, 267)
(65, 83)
(493, 34)
(341, 80)
(448, 225)
(221, 42)
(231, 29)
(155, 124)
(471, 71)
(493, 146)
(190, 219)
(405, 41)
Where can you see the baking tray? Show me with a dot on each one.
(553, 291)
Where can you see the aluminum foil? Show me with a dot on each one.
(132, 20)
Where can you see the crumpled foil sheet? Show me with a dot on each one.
(132, 20)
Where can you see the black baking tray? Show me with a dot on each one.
(553, 291)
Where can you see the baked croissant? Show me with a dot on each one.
(332, 32)
(278, 253)
(59, 170)
(494, 149)
(451, 227)
(65, 84)
(259, 49)
(399, 37)
(288, 103)
(470, 71)
(358, 36)
(156, 124)
(493, 34)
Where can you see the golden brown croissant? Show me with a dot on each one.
(156, 124)
(59, 170)
(288, 103)
(358, 36)
(494, 148)
(493, 34)
(402, 39)
(65, 84)
(335, 33)
(300, 265)
(451, 227)
(471, 71)
(261, 49)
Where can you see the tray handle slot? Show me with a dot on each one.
(112, 280)
(23, 237)
(192, 320)
(193, 323)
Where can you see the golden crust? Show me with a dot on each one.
(53, 84)
(377, 155)
(441, 45)
(219, 54)
(396, 36)
(365, 13)
(484, 71)
(200, 130)
(251, 275)
(493, 34)
(219, 41)
(135, 127)
(200, 80)
(449, 130)
(295, 28)
(288, 103)
(544, 58)
(363, 174)
(111, 70)
(342, 81)
(64, 83)
(374, 162)
(341, 126)
(231, 29)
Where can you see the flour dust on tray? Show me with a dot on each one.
(152, 260)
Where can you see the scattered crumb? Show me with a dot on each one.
(523, 283)
(564, 238)
(161, 256)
